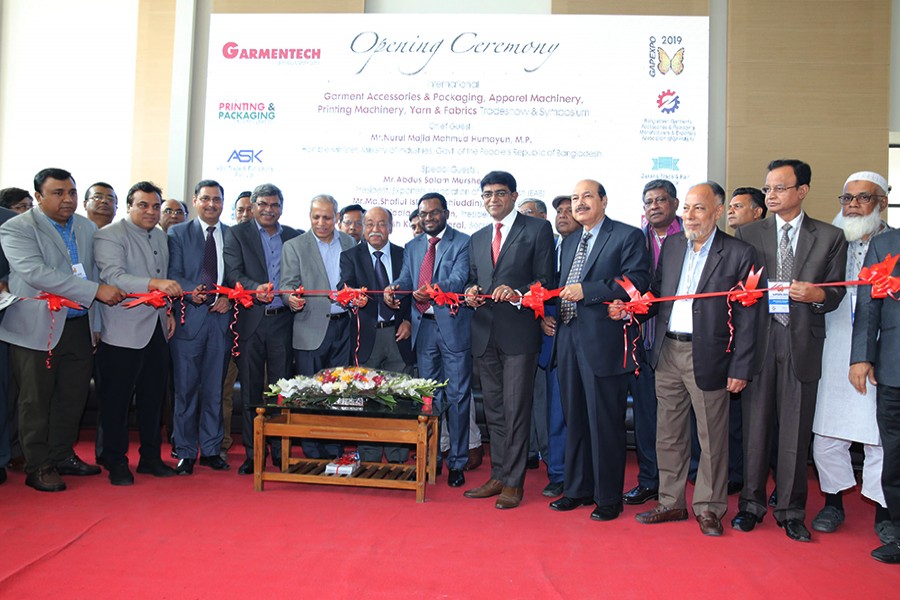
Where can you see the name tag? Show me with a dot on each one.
(779, 300)
(78, 271)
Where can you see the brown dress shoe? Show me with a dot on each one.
(45, 479)
(491, 488)
(510, 497)
(661, 514)
(476, 457)
(709, 523)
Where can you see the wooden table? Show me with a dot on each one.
(408, 423)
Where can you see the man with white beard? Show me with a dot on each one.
(842, 416)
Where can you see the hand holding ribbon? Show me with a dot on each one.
(536, 297)
(880, 278)
(746, 292)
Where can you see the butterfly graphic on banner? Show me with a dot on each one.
(676, 63)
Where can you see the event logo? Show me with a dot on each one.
(232, 50)
(668, 102)
(246, 111)
(665, 163)
(674, 64)
(245, 156)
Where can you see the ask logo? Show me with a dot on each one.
(245, 156)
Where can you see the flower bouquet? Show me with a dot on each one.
(329, 386)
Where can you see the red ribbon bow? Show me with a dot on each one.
(536, 297)
(350, 297)
(238, 294)
(156, 299)
(638, 304)
(442, 298)
(55, 303)
(746, 292)
(880, 278)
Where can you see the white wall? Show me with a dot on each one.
(67, 90)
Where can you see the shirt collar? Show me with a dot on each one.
(261, 230)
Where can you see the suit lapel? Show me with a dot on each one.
(396, 261)
(517, 227)
(770, 248)
(602, 237)
(805, 241)
(675, 251)
(255, 244)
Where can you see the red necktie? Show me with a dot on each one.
(427, 270)
(495, 245)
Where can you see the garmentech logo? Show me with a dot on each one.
(246, 111)
(233, 50)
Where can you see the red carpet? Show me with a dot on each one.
(211, 536)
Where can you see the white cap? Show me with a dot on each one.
(869, 176)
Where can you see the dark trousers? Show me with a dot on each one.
(265, 356)
(643, 394)
(127, 372)
(888, 416)
(5, 454)
(386, 356)
(51, 400)
(334, 351)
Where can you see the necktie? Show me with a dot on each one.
(495, 245)
(426, 272)
(209, 271)
(567, 307)
(381, 280)
(785, 266)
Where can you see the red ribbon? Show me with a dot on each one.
(156, 299)
(880, 278)
(536, 298)
(639, 304)
(442, 298)
(237, 294)
(349, 296)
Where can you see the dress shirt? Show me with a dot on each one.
(272, 251)
(507, 221)
(331, 257)
(67, 232)
(682, 319)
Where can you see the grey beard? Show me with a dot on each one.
(856, 228)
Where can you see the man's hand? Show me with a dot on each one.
(616, 310)
(221, 305)
(421, 294)
(548, 326)
(389, 298)
(404, 330)
(802, 291)
(267, 295)
(167, 286)
(4, 286)
(472, 299)
(361, 300)
(735, 385)
(170, 326)
(296, 302)
(572, 292)
(109, 294)
(859, 372)
(504, 293)
(199, 295)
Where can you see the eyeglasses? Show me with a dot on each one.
(658, 200)
(346, 223)
(431, 213)
(22, 206)
(777, 189)
(207, 199)
(501, 194)
(102, 198)
(265, 205)
(174, 211)
(863, 197)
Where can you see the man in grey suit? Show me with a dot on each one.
(200, 345)
(253, 259)
(50, 249)
(321, 335)
(442, 341)
(133, 354)
(874, 356)
(796, 251)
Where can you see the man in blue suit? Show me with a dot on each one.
(442, 341)
(200, 346)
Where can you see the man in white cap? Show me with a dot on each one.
(842, 417)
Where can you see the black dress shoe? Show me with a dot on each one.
(120, 474)
(157, 468)
(734, 488)
(185, 467)
(75, 466)
(45, 479)
(639, 494)
(566, 503)
(773, 498)
(214, 462)
(607, 512)
(533, 462)
(455, 478)
(553, 489)
(796, 530)
(745, 521)
(246, 467)
(889, 553)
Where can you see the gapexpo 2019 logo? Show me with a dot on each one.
(232, 50)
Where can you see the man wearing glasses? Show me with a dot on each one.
(350, 221)
(795, 251)
(173, 213)
(253, 259)
(100, 204)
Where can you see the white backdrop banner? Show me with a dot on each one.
(380, 109)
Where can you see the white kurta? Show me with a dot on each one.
(841, 412)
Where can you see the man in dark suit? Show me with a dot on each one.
(874, 357)
(383, 333)
(200, 346)
(505, 258)
(594, 362)
(253, 259)
(5, 215)
(696, 358)
(796, 251)
(442, 341)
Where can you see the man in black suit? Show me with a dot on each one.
(696, 359)
(796, 251)
(593, 360)
(253, 259)
(505, 258)
(383, 333)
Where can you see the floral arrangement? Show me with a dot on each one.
(328, 386)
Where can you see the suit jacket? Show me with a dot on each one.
(821, 257)
(127, 257)
(5, 215)
(877, 320)
(357, 271)
(451, 271)
(728, 262)
(301, 264)
(619, 250)
(39, 262)
(246, 263)
(186, 244)
(528, 256)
